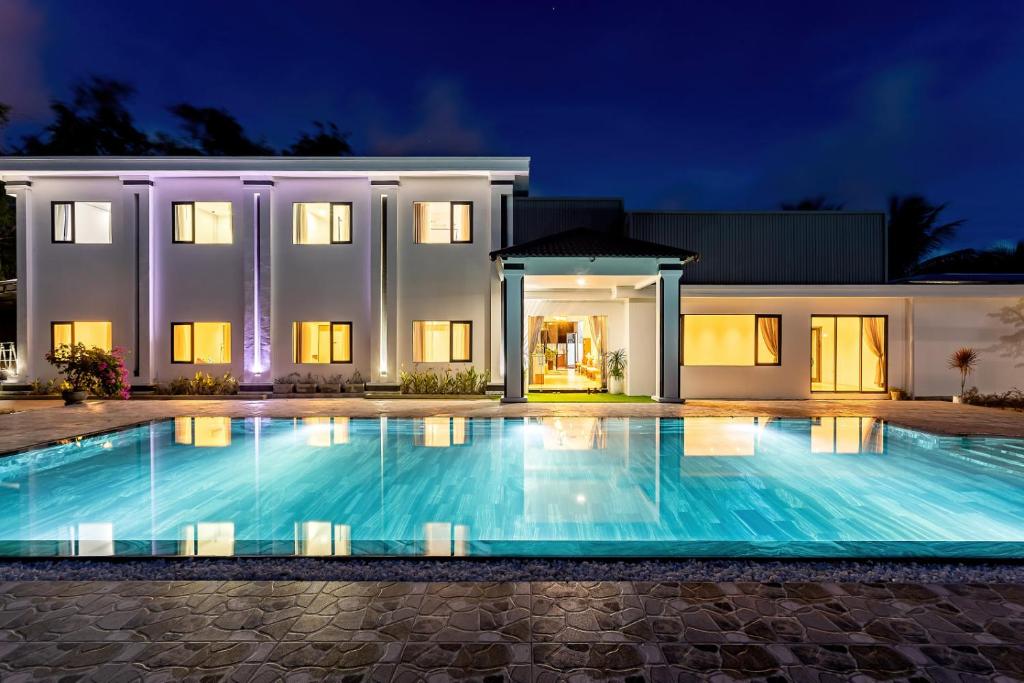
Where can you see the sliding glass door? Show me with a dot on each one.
(849, 353)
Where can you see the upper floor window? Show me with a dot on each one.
(731, 339)
(322, 342)
(322, 223)
(442, 341)
(81, 222)
(91, 334)
(442, 222)
(201, 343)
(202, 222)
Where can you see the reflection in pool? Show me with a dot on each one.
(563, 486)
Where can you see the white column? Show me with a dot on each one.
(137, 202)
(668, 309)
(512, 324)
(256, 340)
(384, 331)
(500, 236)
(28, 365)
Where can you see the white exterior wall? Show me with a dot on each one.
(943, 325)
(329, 282)
(86, 282)
(791, 379)
(444, 281)
(198, 282)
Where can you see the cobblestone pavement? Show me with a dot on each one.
(37, 422)
(546, 631)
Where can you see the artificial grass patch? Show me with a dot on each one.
(583, 397)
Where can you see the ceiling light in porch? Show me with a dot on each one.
(580, 281)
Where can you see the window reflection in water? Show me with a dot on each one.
(443, 539)
(723, 436)
(322, 432)
(93, 539)
(315, 539)
(208, 539)
(203, 432)
(440, 432)
(847, 435)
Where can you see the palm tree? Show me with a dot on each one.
(818, 203)
(915, 232)
(963, 360)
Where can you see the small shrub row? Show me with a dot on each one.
(309, 383)
(1014, 398)
(467, 381)
(202, 384)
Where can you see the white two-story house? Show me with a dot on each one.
(266, 266)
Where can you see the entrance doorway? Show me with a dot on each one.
(566, 353)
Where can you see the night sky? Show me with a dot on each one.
(710, 105)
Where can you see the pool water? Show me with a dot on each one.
(443, 486)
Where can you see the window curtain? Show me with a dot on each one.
(419, 350)
(301, 224)
(874, 333)
(598, 323)
(535, 325)
(421, 222)
(62, 222)
(769, 329)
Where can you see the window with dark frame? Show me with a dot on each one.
(443, 222)
(340, 342)
(83, 222)
(762, 345)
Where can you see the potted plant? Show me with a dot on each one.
(895, 393)
(964, 361)
(331, 384)
(550, 356)
(616, 363)
(84, 370)
(307, 384)
(355, 383)
(286, 383)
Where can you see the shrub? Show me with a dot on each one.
(468, 381)
(40, 388)
(202, 384)
(290, 378)
(1014, 398)
(94, 370)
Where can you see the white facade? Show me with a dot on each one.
(261, 283)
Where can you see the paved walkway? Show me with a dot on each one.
(39, 424)
(619, 631)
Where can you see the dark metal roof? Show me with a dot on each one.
(536, 217)
(779, 247)
(963, 278)
(587, 243)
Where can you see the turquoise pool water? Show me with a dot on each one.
(838, 487)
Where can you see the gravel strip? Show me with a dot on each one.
(310, 569)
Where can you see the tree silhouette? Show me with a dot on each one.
(327, 141)
(95, 122)
(915, 232)
(818, 203)
(1000, 259)
(213, 132)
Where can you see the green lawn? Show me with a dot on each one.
(587, 398)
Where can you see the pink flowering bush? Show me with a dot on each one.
(99, 372)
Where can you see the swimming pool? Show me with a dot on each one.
(452, 486)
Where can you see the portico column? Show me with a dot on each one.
(667, 350)
(513, 275)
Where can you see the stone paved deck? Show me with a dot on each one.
(36, 424)
(547, 631)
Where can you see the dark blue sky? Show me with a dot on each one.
(729, 105)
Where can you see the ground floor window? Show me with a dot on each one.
(442, 341)
(322, 342)
(849, 353)
(201, 343)
(91, 334)
(729, 339)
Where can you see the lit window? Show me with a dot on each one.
(443, 222)
(322, 223)
(202, 222)
(201, 343)
(848, 353)
(738, 340)
(442, 341)
(91, 334)
(322, 342)
(81, 222)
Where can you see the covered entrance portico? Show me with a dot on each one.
(578, 258)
